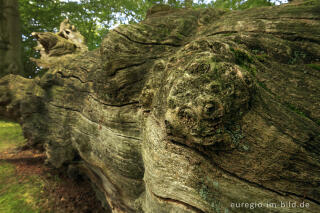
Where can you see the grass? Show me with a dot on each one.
(10, 135)
(17, 194)
(26, 186)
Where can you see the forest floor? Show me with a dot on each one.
(28, 186)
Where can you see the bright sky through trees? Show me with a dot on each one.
(94, 18)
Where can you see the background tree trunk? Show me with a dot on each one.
(10, 38)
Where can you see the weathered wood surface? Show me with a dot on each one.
(187, 111)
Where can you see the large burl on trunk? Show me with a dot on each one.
(188, 111)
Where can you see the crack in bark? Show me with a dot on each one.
(170, 200)
(129, 137)
(63, 107)
(114, 196)
(223, 32)
(82, 132)
(130, 83)
(293, 18)
(145, 43)
(102, 125)
(302, 196)
(257, 185)
(122, 122)
(126, 67)
(294, 36)
(285, 105)
(97, 122)
(113, 105)
(72, 76)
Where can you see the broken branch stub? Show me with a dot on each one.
(68, 41)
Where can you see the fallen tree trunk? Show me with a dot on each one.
(188, 111)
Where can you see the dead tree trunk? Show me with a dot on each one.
(188, 111)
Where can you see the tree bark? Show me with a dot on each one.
(10, 38)
(188, 111)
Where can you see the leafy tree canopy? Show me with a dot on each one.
(93, 18)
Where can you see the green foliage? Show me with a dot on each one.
(94, 18)
(35, 16)
(240, 4)
(255, 3)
